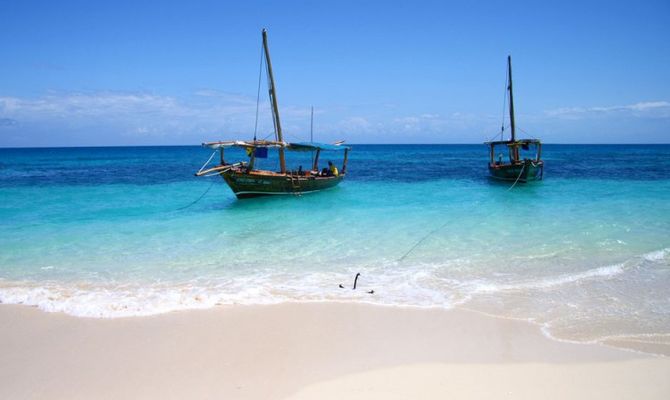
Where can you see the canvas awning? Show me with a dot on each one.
(301, 146)
(311, 146)
(519, 142)
(245, 144)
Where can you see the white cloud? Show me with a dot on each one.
(134, 114)
(92, 118)
(356, 124)
(7, 122)
(648, 109)
(436, 123)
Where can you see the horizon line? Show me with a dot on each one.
(348, 144)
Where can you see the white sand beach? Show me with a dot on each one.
(310, 351)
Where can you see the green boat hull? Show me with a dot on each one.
(247, 185)
(522, 172)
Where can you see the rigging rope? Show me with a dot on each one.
(502, 128)
(258, 94)
(527, 134)
(208, 160)
(502, 125)
(495, 136)
(272, 99)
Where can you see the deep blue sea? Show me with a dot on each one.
(111, 232)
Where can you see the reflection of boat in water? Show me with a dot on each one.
(518, 160)
(245, 181)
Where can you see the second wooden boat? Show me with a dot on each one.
(518, 160)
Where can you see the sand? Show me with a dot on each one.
(310, 351)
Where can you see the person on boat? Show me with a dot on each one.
(332, 169)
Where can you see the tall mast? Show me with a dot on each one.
(311, 132)
(273, 98)
(511, 97)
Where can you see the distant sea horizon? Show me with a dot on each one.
(317, 141)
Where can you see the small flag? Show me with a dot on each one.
(261, 152)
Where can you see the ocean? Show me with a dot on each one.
(129, 231)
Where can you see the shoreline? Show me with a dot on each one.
(308, 350)
(626, 342)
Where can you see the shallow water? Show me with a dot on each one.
(586, 252)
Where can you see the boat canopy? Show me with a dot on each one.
(519, 142)
(242, 143)
(302, 146)
(310, 146)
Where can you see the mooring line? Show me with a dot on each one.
(422, 239)
(517, 178)
(199, 198)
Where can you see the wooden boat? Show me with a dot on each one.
(246, 181)
(518, 160)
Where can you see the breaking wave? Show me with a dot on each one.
(393, 286)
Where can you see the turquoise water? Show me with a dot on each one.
(103, 232)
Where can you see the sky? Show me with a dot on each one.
(82, 73)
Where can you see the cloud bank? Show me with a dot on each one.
(123, 118)
(649, 109)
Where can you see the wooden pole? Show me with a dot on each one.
(311, 132)
(273, 98)
(315, 167)
(252, 160)
(516, 153)
(511, 97)
(344, 164)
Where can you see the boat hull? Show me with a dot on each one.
(522, 172)
(255, 184)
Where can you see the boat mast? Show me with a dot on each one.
(311, 132)
(511, 98)
(273, 98)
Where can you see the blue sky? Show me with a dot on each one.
(115, 73)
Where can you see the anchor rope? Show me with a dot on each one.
(517, 178)
(422, 239)
(199, 198)
(429, 234)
